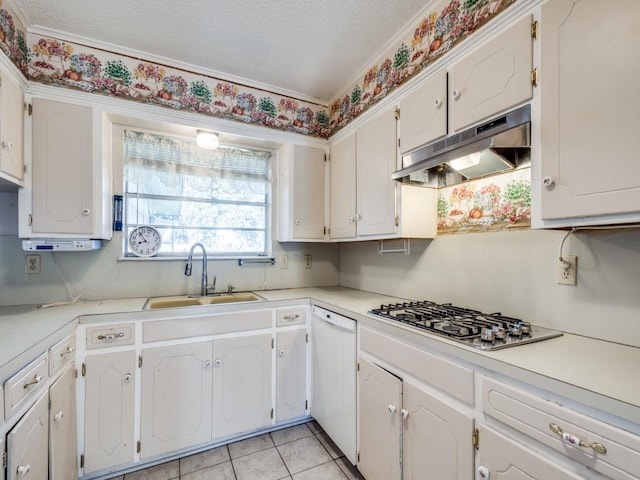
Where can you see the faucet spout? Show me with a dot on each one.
(189, 267)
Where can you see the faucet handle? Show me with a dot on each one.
(187, 269)
(230, 289)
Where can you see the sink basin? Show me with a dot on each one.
(187, 301)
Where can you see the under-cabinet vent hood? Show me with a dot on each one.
(499, 145)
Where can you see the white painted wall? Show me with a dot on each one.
(515, 273)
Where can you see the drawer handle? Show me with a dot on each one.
(111, 336)
(67, 351)
(36, 379)
(573, 440)
(23, 470)
(292, 316)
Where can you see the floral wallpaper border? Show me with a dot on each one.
(58, 62)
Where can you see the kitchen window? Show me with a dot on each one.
(220, 198)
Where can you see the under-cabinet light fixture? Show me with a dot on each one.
(207, 140)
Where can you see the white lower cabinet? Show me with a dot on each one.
(63, 432)
(291, 374)
(242, 384)
(175, 380)
(28, 442)
(500, 457)
(407, 433)
(109, 410)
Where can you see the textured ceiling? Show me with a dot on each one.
(311, 47)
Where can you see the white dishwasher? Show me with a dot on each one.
(333, 395)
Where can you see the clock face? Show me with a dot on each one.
(144, 241)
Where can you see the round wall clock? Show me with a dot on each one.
(144, 241)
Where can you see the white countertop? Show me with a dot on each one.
(599, 374)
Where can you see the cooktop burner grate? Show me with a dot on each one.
(486, 331)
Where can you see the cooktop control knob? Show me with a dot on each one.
(487, 335)
(500, 332)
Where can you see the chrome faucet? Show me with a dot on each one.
(189, 267)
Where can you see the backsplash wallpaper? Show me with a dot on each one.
(59, 62)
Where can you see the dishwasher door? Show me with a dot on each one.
(333, 391)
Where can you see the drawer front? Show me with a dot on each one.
(291, 316)
(443, 374)
(537, 417)
(61, 354)
(156, 331)
(110, 335)
(23, 384)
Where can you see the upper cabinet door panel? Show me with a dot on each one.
(11, 128)
(423, 114)
(62, 168)
(590, 101)
(343, 196)
(493, 78)
(308, 185)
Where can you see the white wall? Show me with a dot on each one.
(515, 273)
(102, 276)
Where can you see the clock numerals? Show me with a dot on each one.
(145, 241)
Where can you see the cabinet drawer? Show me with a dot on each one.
(110, 335)
(443, 374)
(534, 416)
(291, 316)
(21, 385)
(160, 330)
(61, 354)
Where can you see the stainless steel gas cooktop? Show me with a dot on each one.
(485, 331)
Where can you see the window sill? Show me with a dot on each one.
(246, 259)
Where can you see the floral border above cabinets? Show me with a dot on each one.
(434, 36)
(62, 63)
(500, 202)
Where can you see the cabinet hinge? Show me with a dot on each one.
(84, 369)
(139, 361)
(397, 220)
(306, 338)
(24, 169)
(76, 372)
(534, 30)
(326, 157)
(49, 404)
(82, 461)
(398, 142)
(30, 220)
(397, 114)
(138, 446)
(534, 77)
(358, 456)
(358, 367)
(272, 413)
(272, 342)
(306, 404)
(29, 109)
(475, 439)
(4, 460)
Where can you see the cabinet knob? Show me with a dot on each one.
(127, 377)
(86, 211)
(207, 364)
(456, 93)
(392, 409)
(350, 219)
(23, 470)
(58, 416)
(281, 352)
(298, 222)
(548, 182)
(218, 362)
(484, 473)
(438, 102)
(404, 413)
(7, 145)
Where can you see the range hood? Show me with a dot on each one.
(499, 145)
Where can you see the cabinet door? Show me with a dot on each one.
(436, 440)
(109, 410)
(11, 128)
(28, 444)
(176, 397)
(379, 423)
(493, 78)
(62, 168)
(241, 384)
(63, 435)
(589, 110)
(308, 193)
(291, 374)
(506, 459)
(376, 155)
(342, 187)
(423, 114)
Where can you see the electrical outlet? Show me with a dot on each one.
(307, 261)
(32, 264)
(284, 261)
(568, 270)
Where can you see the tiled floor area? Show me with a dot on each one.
(302, 452)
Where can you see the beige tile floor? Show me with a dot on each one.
(302, 452)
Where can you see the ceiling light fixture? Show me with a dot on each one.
(207, 140)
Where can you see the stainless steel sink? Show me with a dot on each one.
(188, 301)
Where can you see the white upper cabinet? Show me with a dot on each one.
(301, 184)
(11, 131)
(589, 114)
(342, 187)
(70, 176)
(492, 78)
(423, 114)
